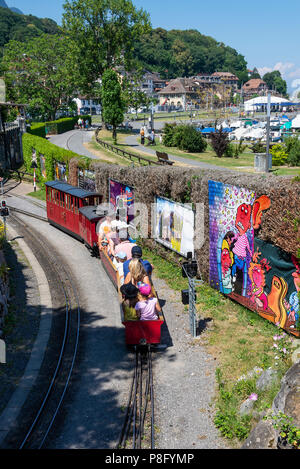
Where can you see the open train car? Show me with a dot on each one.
(136, 332)
(64, 208)
(75, 211)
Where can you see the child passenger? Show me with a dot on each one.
(147, 307)
(118, 262)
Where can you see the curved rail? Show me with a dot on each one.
(66, 360)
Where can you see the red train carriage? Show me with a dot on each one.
(74, 211)
(64, 203)
(136, 332)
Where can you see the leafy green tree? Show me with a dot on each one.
(105, 32)
(133, 95)
(275, 81)
(41, 73)
(113, 103)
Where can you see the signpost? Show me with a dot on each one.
(34, 166)
(4, 212)
(189, 271)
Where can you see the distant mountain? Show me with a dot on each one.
(16, 10)
(19, 27)
(3, 4)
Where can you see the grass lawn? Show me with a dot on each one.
(245, 161)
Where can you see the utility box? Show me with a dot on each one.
(262, 162)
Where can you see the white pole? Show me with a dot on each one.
(268, 129)
(34, 184)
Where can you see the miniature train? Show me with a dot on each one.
(76, 212)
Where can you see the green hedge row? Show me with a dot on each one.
(41, 129)
(51, 153)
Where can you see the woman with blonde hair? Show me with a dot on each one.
(137, 275)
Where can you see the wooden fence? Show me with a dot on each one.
(126, 154)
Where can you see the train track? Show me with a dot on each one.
(39, 415)
(138, 428)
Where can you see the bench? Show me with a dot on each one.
(163, 158)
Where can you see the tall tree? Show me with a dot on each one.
(276, 82)
(113, 103)
(105, 32)
(41, 72)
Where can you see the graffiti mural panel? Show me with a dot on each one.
(255, 273)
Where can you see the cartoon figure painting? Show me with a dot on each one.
(258, 281)
(255, 273)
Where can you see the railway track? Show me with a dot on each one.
(38, 416)
(138, 428)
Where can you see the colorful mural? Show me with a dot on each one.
(253, 272)
(122, 196)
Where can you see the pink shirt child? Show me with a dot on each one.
(146, 309)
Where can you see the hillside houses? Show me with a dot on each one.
(181, 93)
(254, 87)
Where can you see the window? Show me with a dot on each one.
(76, 204)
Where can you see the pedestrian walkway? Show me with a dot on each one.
(75, 141)
(132, 141)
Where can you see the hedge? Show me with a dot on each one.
(59, 126)
(52, 154)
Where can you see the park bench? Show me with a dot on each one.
(163, 158)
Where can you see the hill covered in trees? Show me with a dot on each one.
(186, 53)
(14, 26)
(171, 53)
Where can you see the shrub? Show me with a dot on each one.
(192, 140)
(38, 129)
(258, 147)
(219, 142)
(234, 150)
(168, 134)
(59, 126)
(294, 153)
(279, 155)
(51, 152)
(185, 137)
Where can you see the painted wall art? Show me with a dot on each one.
(174, 225)
(122, 197)
(257, 274)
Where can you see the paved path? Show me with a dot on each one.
(133, 142)
(74, 140)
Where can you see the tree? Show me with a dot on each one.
(113, 103)
(275, 81)
(219, 142)
(41, 73)
(105, 32)
(133, 95)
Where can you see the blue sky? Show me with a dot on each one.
(265, 32)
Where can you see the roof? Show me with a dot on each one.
(72, 190)
(254, 83)
(225, 75)
(180, 86)
(91, 213)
